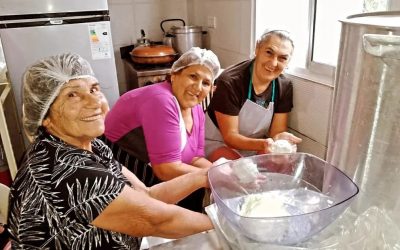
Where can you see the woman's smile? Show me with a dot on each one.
(193, 94)
(93, 117)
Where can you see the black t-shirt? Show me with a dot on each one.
(232, 88)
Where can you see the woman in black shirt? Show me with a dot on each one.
(251, 103)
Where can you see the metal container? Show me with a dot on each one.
(364, 139)
(186, 37)
(168, 37)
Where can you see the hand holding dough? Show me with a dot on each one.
(283, 146)
(245, 170)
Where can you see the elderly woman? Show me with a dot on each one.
(69, 192)
(163, 124)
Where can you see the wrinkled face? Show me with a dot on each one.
(191, 85)
(77, 114)
(272, 56)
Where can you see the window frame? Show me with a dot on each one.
(313, 71)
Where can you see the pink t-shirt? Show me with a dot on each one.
(154, 109)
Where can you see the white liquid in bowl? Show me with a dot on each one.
(278, 216)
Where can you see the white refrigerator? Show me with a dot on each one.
(30, 30)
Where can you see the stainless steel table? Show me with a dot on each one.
(202, 241)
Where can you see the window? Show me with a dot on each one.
(315, 28)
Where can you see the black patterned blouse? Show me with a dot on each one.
(59, 189)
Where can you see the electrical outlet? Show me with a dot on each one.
(212, 22)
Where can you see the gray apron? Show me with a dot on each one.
(254, 122)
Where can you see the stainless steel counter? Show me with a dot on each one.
(202, 241)
(374, 229)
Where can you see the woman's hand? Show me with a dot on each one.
(267, 146)
(287, 136)
(203, 173)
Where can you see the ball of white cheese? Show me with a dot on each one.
(283, 146)
(245, 170)
(259, 205)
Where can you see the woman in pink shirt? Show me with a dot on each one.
(158, 131)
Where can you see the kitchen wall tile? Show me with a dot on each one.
(111, 2)
(227, 57)
(175, 9)
(122, 23)
(196, 12)
(231, 38)
(226, 23)
(311, 112)
(246, 29)
(310, 146)
(147, 1)
(122, 31)
(147, 16)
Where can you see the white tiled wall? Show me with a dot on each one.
(231, 39)
(310, 116)
(311, 101)
(122, 30)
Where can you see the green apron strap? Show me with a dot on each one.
(251, 85)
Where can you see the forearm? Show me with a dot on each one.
(184, 223)
(241, 142)
(171, 170)
(174, 190)
(201, 162)
(135, 213)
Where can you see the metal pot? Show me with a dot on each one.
(182, 38)
(186, 37)
(153, 54)
(168, 36)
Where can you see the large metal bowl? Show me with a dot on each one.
(312, 192)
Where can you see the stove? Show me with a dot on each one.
(139, 75)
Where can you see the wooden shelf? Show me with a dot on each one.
(5, 136)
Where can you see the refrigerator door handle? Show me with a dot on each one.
(52, 21)
(56, 21)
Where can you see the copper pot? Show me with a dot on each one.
(153, 54)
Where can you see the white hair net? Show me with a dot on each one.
(42, 83)
(196, 56)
